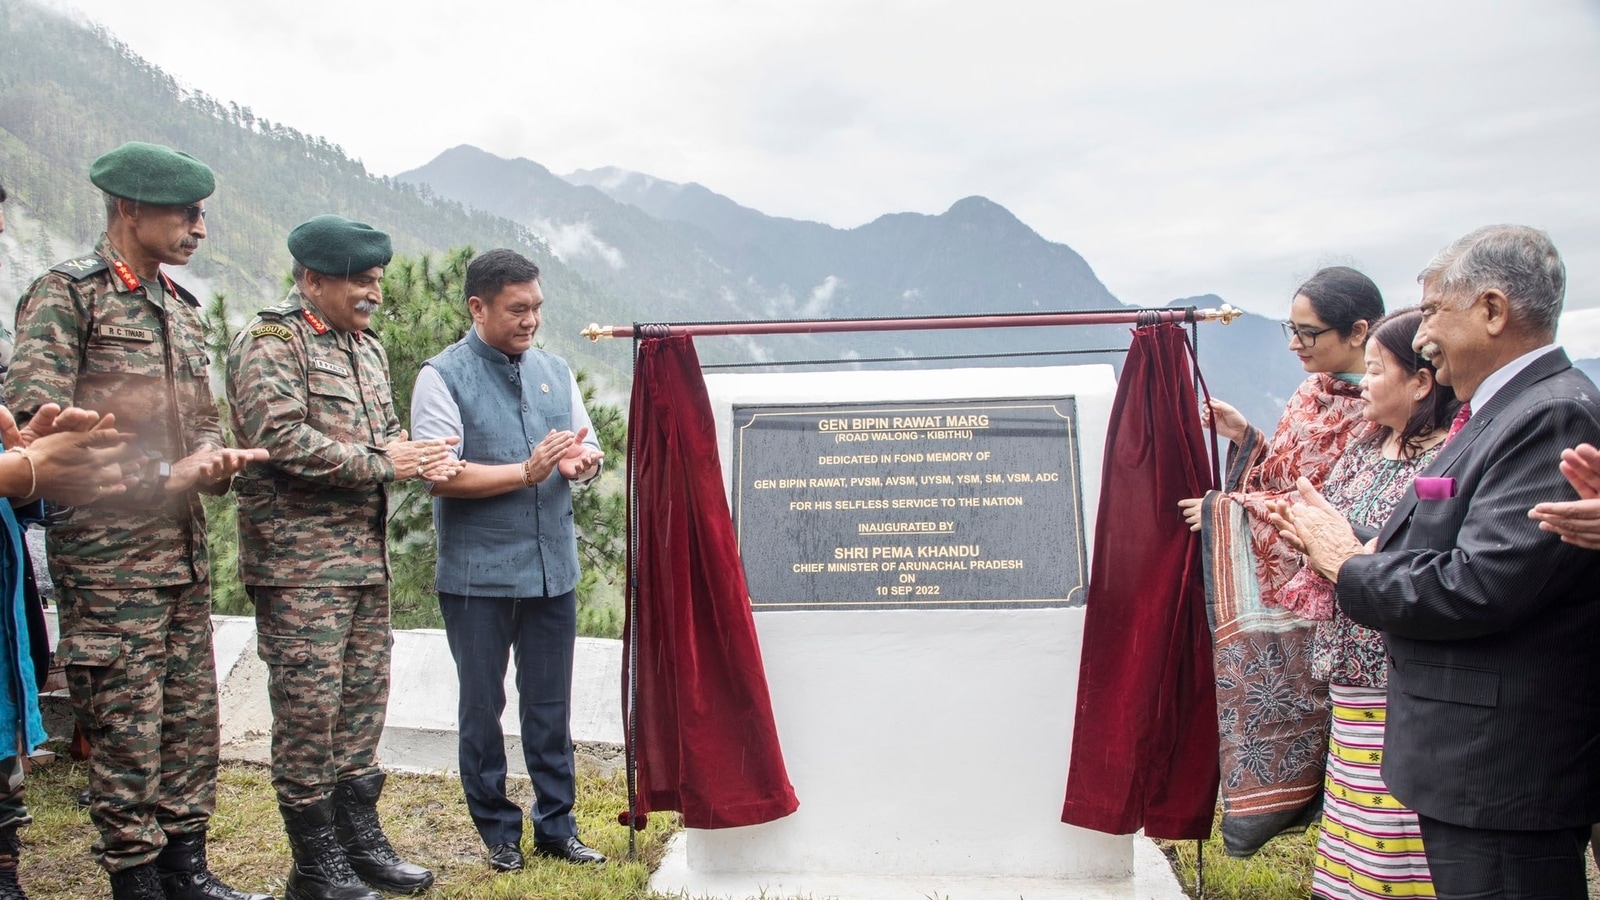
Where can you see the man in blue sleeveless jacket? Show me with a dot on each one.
(508, 554)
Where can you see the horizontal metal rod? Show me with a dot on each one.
(900, 359)
(1226, 314)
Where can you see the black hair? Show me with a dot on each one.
(489, 273)
(2, 193)
(1394, 333)
(1341, 297)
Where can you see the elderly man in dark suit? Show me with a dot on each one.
(1492, 623)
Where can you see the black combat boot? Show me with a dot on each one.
(10, 850)
(137, 883)
(355, 804)
(185, 876)
(321, 871)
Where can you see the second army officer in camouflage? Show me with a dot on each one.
(309, 382)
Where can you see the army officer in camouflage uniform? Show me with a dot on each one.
(110, 331)
(309, 382)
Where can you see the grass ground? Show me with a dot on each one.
(425, 817)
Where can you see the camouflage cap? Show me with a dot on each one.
(151, 173)
(334, 245)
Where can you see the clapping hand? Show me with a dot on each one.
(75, 455)
(580, 460)
(1576, 521)
(429, 460)
(1315, 528)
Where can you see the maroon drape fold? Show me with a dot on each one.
(706, 744)
(1144, 743)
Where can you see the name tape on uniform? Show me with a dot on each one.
(124, 333)
(331, 368)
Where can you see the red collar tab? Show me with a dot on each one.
(317, 324)
(125, 275)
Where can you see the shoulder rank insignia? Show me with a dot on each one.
(272, 329)
(81, 268)
(317, 324)
(125, 275)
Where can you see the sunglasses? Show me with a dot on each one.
(193, 213)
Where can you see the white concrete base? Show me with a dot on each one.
(1152, 879)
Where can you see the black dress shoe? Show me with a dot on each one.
(505, 857)
(570, 849)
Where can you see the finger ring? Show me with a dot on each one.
(419, 471)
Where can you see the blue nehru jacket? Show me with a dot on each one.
(521, 543)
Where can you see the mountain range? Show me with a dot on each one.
(615, 246)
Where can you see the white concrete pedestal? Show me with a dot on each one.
(929, 748)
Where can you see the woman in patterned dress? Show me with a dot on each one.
(1369, 845)
(1271, 713)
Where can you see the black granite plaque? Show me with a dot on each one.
(962, 504)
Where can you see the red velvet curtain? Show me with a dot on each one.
(1144, 743)
(705, 741)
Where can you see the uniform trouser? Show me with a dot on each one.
(144, 691)
(541, 631)
(13, 799)
(327, 656)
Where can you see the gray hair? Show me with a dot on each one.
(1518, 261)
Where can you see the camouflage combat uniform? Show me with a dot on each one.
(131, 573)
(312, 539)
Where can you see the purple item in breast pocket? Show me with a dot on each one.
(1435, 488)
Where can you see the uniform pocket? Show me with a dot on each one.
(96, 676)
(275, 650)
(142, 358)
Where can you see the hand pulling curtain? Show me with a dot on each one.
(705, 742)
(1144, 742)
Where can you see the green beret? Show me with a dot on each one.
(334, 245)
(151, 173)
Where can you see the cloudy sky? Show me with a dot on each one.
(1182, 148)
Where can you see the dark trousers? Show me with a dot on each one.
(1471, 863)
(541, 632)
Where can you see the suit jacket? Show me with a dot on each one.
(1493, 626)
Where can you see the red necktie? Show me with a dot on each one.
(1459, 422)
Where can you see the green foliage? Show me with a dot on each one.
(222, 513)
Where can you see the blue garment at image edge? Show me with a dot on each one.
(19, 702)
(521, 543)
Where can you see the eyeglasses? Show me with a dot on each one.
(1307, 336)
(194, 213)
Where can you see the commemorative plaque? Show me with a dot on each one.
(963, 504)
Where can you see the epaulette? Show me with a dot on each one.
(179, 291)
(282, 310)
(82, 267)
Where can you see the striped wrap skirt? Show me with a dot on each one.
(1369, 846)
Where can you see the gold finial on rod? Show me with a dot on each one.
(596, 331)
(1225, 315)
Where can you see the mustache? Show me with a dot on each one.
(190, 244)
(366, 306)
(1428, 351)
